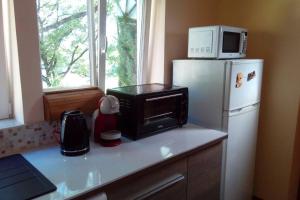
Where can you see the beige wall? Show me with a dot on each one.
(25, 61)
(180, 15)
(294, 189)
(274, 35)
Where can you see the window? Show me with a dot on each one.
(121, 27)
(63, 33)
(4, 86)
(92, 42)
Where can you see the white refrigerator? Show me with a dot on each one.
(225, 95)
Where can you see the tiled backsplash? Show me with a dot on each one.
(22, 138)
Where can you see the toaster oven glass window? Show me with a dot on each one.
(231, 42)
(73, 42)
(160, 108)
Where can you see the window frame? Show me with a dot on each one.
(92, 45)
(102, 42)
(5, 106)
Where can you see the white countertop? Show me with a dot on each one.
(74, 176)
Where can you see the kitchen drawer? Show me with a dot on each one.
(165, 182)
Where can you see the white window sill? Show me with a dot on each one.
(9, 123)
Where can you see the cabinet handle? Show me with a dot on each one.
(152, 190)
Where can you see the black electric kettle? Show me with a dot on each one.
(74, 136)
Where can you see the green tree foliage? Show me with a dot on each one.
(63, 35)
(127, 44)
(63, 40)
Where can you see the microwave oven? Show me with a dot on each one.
(217, 42)
(150, 108)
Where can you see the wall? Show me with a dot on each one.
(274, 31)
(4, 100)
(294, 189)
(27, 137)
(180, 15)
(294, 182)
(26, 66)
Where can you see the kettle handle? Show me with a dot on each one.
(57, 131)
(71, 112)
(62, 116)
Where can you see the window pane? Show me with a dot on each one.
(63, 32)
(121, 30)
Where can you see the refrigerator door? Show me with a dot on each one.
(243, 83)
(205, 80)
(238, 169)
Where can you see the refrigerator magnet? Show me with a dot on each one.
(239, 80)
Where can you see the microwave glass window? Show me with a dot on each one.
(231, 42)
(159, 109)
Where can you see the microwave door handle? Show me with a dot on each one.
(164, 97)
(243, 44)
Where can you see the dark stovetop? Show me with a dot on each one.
(20, 180)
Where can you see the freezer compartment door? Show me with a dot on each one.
(205, 80)
(243, 83)
(240, 155)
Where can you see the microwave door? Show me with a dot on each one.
(231, 42)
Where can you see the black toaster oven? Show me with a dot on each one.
(150, 108)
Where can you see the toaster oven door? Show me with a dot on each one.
(161, 112)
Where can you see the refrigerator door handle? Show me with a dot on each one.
(241, 110)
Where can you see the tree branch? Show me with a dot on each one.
(80, 55)
(57, 8)
(131, 10)
(73, 60)
(120, 8)
(73, 55)
(65, 20)
(46, 80)
(126, 6)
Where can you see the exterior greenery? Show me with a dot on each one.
(63, 32)
(127, 47)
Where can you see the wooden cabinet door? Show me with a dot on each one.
(204, 174)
